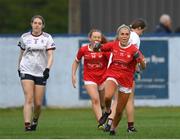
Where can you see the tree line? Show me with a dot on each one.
(15, 16)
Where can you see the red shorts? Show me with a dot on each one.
(124, 79)
(98, 80)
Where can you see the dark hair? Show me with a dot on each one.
(138, 23)
(40, 17)
(92, 31)
(103, 38)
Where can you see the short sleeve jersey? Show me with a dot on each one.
(95, 64)
(134, 39)
(34, 59)
(123, 63)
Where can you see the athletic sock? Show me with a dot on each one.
(27, 126)
(109, 122)
(35, 120)
(130, 124)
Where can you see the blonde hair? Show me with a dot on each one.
(121, 27)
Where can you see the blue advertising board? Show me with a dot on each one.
(154, 80)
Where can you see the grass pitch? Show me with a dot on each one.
(151, 123)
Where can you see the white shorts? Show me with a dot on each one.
(120, 87)
(101, 87)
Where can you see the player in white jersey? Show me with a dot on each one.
(35, 60)
(134, 38)
(137, 28)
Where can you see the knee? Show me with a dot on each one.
(29, 101)
(108, 95)
(95, 101)
(38, 105)
(107, 98)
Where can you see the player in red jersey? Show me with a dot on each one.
(95, 65)
(137, 28)
(120, 74)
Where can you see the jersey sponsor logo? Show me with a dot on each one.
(93, 66)
(35, 49)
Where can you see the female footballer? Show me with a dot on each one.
(35, 61)
(120, 74)
(95, 65)
(137, 28)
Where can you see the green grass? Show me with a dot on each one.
(161, 123)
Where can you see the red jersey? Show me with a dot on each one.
(95, 64)
(123, 63)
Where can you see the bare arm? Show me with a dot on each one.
(140, 59)
(50, 58)
(143, 63)
(74, 69)
(20, 57)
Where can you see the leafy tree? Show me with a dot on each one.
(15, 15)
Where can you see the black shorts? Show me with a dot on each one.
(37, 80)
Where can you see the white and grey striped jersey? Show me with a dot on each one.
(34, 59)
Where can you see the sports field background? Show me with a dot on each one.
(163, 122)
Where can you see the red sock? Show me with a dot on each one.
(130, 124)
(27, 124)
